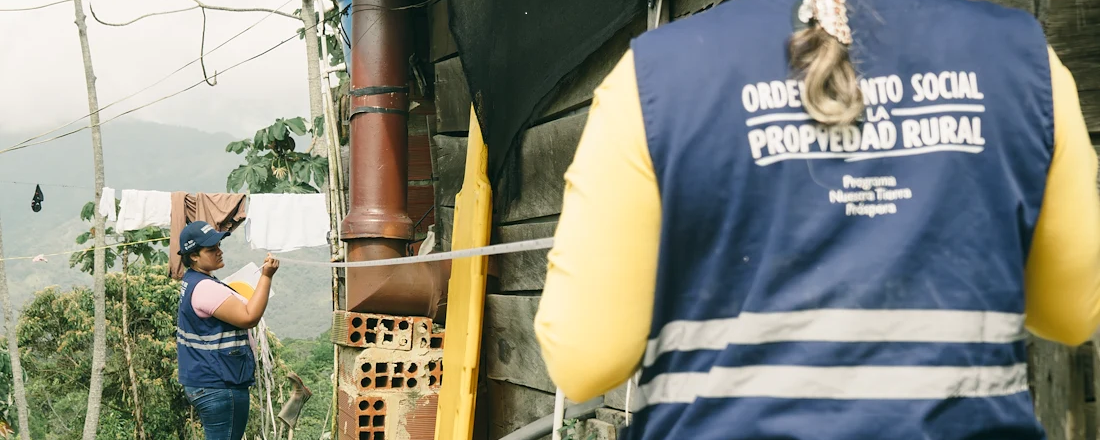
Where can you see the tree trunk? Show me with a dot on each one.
(99, 341)
(13, 350)
(313, 53)
(126, 345)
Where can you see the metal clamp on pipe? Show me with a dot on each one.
(378, 90)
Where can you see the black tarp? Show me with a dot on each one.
(515, 54)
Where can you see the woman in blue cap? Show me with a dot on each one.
(216, 360)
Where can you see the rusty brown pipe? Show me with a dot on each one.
(403, 290)
(379, 123)
(378, 225)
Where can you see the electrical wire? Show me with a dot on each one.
(200, 58)
(133, 243)
(55, 185)
(127, 23)
(158, 82)
(203, 81)
(35, 7)
(423, 4)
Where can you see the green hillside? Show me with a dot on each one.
(137, 155)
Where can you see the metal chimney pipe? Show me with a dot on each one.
(379, 122)
(378, 225)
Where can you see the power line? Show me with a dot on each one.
(25, 145)
(423, 4)
(35, 7)
(165, 78)
(55, 185)
(132, 243)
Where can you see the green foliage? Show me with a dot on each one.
(55, 340)
(271, 164)
(148, 253)
(55, 337)
(7, 399)
(571, 429)
(311, 359)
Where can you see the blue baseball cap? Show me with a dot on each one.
(197, 235)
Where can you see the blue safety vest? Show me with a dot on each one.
(844, 283)
(211, 352)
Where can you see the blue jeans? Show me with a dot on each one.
(223, 411)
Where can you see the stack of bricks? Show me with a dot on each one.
(391, 368)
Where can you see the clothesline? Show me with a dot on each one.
(275, 222)
(132, 243)
(55, 185)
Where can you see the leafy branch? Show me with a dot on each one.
(271, 163)
(571, 429)
(148, 252)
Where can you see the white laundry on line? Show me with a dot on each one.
(107, 204)
(286, 222)
(140, 209)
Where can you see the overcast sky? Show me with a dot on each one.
(42, 75)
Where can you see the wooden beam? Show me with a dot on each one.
(510, 351)
(548, 151)
(1057, 388)
(442, 42)
(444, 224)
(576, 88)
(513, 407)
(449, 155)
(1073, 30)
(512, 354)
(452, 98)
(523, 271)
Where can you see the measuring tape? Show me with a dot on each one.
(496, 249)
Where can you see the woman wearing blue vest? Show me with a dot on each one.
(832, 221)
(216, 359)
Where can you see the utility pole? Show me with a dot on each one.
(99, 268)
(13, 349)
(313, 53)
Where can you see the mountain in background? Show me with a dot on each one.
(145, 156)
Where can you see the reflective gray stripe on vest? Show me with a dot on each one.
(838, 325)
(214, 337)
(846, 383)
(218, 346)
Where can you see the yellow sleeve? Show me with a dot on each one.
(1063, 268)
(597, 304)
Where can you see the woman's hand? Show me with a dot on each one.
(271, 265)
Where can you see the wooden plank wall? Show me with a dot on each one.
(514, 388)
(1064, 380)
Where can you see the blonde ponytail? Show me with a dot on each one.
(819, 54)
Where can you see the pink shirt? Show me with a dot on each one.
(209, 295)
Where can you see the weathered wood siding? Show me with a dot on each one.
(518, 389)
(515, 386)
(1064, 379)
(1073, 30)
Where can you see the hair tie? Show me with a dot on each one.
(831, 15)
